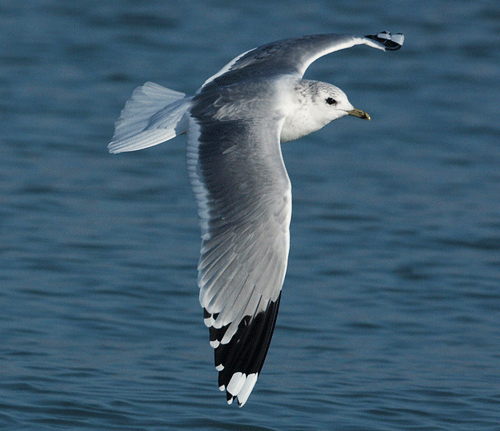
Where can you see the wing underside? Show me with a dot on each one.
(244, 200)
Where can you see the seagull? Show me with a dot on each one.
(235, 124)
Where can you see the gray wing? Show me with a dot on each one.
(293, 56)
(244, 197)
(244, 200)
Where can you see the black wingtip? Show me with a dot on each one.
(392, 42)
(245, 353)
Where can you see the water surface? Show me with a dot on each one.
(390, 318)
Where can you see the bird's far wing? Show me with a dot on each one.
(244, 202)
(293, 56)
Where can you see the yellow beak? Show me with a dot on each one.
(358, 113)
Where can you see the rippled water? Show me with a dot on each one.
(390, 318)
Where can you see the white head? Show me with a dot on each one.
(317, 104)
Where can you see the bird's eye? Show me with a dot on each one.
(331, 101)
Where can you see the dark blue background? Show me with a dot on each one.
(390, 316)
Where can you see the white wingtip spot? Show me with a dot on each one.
(247, 388)
(219, 367)
(236, 383)
(215, 343)
(399, 38)
(209, 321)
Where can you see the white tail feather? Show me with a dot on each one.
(153, 115)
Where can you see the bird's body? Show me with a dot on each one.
(235, 124)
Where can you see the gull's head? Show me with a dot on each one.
(316, 105)
(330, 103)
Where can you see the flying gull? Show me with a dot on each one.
(235, 124)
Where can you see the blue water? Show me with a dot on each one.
(390, 316)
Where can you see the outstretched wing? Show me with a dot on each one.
(244, 200)
(293, 56)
